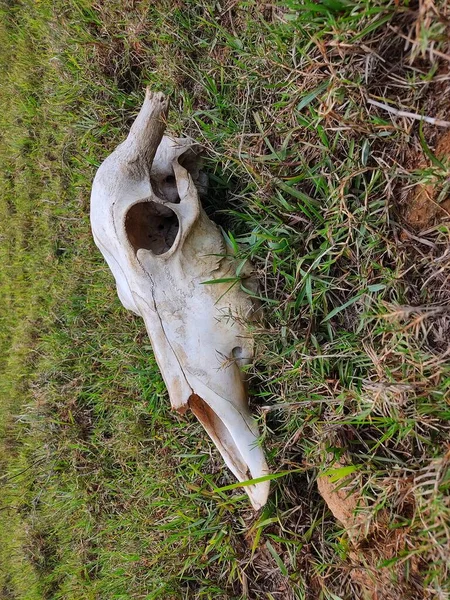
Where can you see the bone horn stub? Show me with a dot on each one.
(148, 128)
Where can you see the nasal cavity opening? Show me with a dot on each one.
(220, 435)
(166, 188)
(190, 161)
(151, 226)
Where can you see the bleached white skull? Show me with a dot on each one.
(161, 247)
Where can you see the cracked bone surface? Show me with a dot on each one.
(161, 247)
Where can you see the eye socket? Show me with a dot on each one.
(152, 227)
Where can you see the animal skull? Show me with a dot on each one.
(163, 250)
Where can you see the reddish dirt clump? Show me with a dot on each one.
(371, 544)
(422, 205)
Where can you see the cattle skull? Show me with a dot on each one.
(162, 249)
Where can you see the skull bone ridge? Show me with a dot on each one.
(161, 247)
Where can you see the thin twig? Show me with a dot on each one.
(409, 115)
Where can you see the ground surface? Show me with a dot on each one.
(342, 207)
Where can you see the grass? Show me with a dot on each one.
(106, 493)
